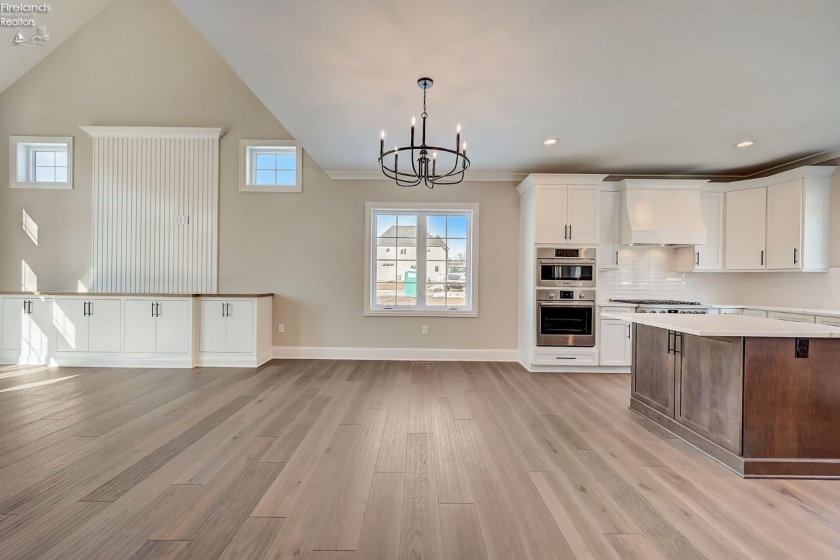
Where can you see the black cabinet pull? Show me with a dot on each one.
(616, 257)
(158, 309)
(669, 341)
(676, 334)
(795, 250)
(762, 258)
(570, 232)
(697, 262)
(153, 309)
(84, 309)
(223, 309)
(227, 308)
(566, 232)
(90, 309)
(629, 327)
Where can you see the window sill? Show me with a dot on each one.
(420, 313)
(270, 189)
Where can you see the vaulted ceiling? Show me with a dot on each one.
(646, 87)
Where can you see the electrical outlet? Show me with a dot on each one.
(281, 327)
(696, 288)
(425, 329)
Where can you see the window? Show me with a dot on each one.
(41, 163)
(270, 166)
(443, 281)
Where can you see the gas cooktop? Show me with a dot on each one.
(655, 302)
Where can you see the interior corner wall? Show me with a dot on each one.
(140, 63)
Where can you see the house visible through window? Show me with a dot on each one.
(42, 163)
(270, 166)
(443, 281)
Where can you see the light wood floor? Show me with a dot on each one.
(365, 460)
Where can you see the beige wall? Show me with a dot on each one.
(140, 63)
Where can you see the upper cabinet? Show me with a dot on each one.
(610, 230)
(746, 219)
(708, 256)
(565, 208)
(780, 226)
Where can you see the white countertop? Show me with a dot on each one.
(728, 325)
(805, 310)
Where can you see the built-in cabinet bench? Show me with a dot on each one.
(136, 330)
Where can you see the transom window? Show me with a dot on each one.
(41, 163)
(270, 166)
(431, 270)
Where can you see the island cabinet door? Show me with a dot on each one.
(653, 368)
(710, 385)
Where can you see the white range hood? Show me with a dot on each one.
(661, 212)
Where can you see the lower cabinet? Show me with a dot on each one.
(161, 326)
(654, 368)
(697, 381)
(226, 326)
(27, 329)
(87, 325)
(616, 343)
(794, 317)
(135, 331)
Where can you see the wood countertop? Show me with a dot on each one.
(156, 295)
(728, 325)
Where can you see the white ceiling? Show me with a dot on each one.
(63, 20)
(648, 86)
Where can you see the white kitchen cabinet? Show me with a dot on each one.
(710, 255)
(794, 317)
(755, 313)
(28, 329)
(830, 321)
(583, 210)
(552, 207)
(782, 224)
(87, 325)
(610, 231)
(745, 229)
(725, 311)
(616, 344)
(567, 214)
(227, 326)
(162, 326)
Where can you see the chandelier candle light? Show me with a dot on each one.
(419, 156)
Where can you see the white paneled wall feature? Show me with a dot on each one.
(155, 209)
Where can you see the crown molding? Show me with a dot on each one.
(152, 132)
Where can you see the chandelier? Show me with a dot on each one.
(423, 158)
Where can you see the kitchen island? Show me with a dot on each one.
(759, 395)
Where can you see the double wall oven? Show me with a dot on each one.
(565, 296)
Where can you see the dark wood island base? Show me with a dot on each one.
(764, 407)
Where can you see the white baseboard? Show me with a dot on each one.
(398, 354)
(579, 369)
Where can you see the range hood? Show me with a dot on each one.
(661, 212)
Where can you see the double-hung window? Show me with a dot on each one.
(421, 259)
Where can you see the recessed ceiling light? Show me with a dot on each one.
(744, 144)
(550, 142)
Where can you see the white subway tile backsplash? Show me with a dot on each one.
(648, 272)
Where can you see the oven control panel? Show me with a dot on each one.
(545, 294)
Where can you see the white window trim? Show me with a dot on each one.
(472, 257)
(245, 166)
(16, 141)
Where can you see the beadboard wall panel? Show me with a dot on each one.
(155, 210)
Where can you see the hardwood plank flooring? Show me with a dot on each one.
(361, 460)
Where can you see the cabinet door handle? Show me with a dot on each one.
(697, 262)
(676, 334)
(227, 306)
(84, 309)
(795, 251)
(153, 309)
(564, 358)
(90, 308)
(628, 331)
(669, 340)
(566, 232)
(762, 258)
(570, 232)
(223, 309)
(157, 306)
(616, 257)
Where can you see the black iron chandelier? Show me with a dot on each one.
(424, 158)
